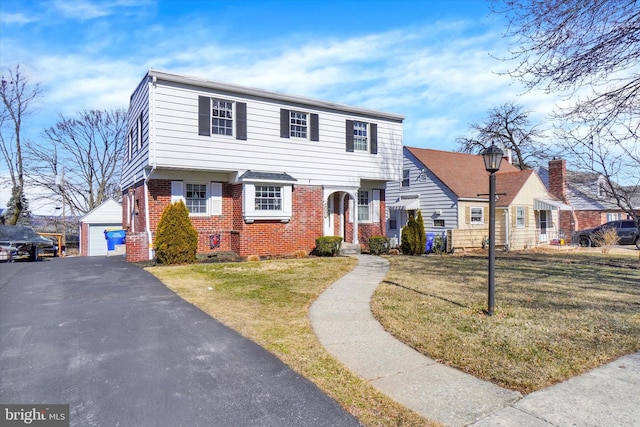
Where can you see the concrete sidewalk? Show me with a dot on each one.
(342, 320)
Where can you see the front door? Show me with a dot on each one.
(542, 219)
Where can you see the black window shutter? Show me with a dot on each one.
(349, 135)
(241, 120)
(315, 130)
(204, 116)
(284, 123)
(373, 129)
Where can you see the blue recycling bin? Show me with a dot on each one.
(115, 237)
(429, 246)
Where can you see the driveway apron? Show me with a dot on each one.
(121, 349)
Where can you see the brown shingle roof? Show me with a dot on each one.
(465, 174)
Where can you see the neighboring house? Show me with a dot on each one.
(451, 191)
(261, 173)
(585, 193)
(107, 216)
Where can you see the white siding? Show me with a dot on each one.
(139, 104)
(324, 162)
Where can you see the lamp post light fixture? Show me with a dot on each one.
(492, 158)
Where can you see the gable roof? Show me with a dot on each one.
(465, 174)
(510, 183)
(108, 212)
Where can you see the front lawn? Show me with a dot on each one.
(557, 314)
(268, 302)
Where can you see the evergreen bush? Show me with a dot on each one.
(421, 236)
(176, 239)
(328, 245)
(414, 237)
(379, 245)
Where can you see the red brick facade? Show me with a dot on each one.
(84, 239)
(263, 238)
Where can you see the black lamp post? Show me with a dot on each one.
(492, 158)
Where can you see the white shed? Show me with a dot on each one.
(107, 216)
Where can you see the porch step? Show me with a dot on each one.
(349, 249)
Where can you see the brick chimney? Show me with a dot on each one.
(558, 178)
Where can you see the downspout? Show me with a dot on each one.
(506, 228)
(152, 152)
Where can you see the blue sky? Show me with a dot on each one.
(430, 60)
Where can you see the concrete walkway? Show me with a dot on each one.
(342, 320)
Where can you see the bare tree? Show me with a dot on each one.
(84, 153)
(507, 126)
(588, 51)
(17, 97)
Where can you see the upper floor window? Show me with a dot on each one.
(299, 124)
(221, 117)
(406, 178)
(268, 198)
(361, 136)
(360, 140)
(139, 135)
(476, 215)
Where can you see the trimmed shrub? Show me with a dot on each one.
(176, 240)
(328, 245)
(379, 245)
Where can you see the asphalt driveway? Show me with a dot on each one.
(121, 349)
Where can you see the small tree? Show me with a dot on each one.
(408, 236)
(176, 239)
(421, 235)
(414, 238)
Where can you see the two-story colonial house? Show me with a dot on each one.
(261, 173)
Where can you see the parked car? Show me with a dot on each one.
(23, 241)
(626, 230)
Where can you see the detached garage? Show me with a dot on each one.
(107, 216)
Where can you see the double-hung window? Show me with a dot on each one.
(268, 198)
(361, 136)
(221, 117)
(363, 206)
(406, 178)
(520, 216)
(360, 140)
(476, 215)
(297, 124)
(196, 198)
(200, 198)
(139, 134)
